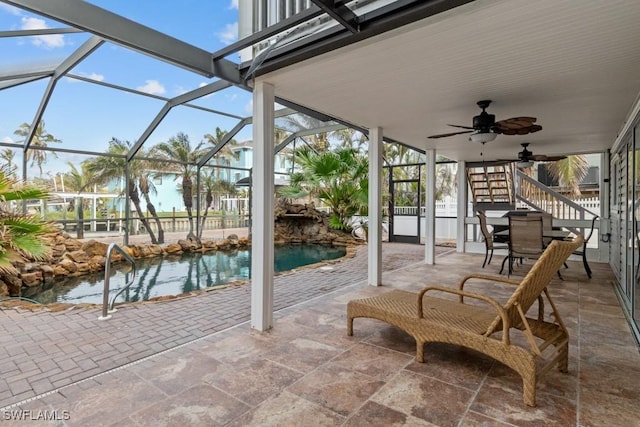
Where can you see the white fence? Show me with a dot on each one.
(446, 216)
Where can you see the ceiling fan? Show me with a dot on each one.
(526, 158)
(485, 128)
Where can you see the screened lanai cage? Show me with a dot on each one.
(133, 134)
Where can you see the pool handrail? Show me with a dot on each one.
(106, 307)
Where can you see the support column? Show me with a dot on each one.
(461, 228)
(262, 210)
(375, 207)
(430, 208)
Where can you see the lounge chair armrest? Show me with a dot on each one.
(501, 311)
(486, 277)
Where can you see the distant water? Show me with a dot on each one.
(173, 275)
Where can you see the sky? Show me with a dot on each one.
(85, 116)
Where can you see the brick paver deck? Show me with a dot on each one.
(42, 351)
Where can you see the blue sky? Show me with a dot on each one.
(84, 115)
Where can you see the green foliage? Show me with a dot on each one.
(20, 235)
(40, 139)
(339, 179)
(569, 172)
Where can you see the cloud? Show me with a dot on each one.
(48, 41)
(7, 139)
(249, 107)
(11, 9)
(234, 4)
(229, 35)
(152, 87)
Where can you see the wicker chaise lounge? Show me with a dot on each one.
(476, 325)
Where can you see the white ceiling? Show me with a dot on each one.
(573, 64)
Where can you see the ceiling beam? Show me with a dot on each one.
(341, 13)
(125, 32)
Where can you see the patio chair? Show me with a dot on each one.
(472, 325)
(547, 225)
(583, 252)
(489, 244)
(525, 239)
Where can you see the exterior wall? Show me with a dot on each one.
(624, 200)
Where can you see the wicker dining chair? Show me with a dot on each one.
(525, 239)
(489, 244)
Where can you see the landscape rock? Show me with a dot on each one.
(77, 256)
(93, 247)
(31, 279)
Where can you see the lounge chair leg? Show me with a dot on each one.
(349, 326)
(563, 363)
(419, 351)
(586, 264)
(529, 390)
(486, 255)
(490, 257)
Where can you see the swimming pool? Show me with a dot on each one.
(174, 275)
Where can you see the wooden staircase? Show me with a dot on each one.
(499, 186)
(491, 185)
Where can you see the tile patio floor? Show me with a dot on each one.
(195, 361)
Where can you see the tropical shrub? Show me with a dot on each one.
(20, 234)
(339, 179)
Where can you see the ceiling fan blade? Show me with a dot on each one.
(462, 127)
(543, 158)
(518, 131)
(515, 122)
(442, 135)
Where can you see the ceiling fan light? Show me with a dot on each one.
(524, 165)
(482, 137)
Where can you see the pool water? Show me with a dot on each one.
(174, 275)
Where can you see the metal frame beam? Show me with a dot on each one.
(378, 21)
(341, 13)
(125, 32)
(178, 100)
(149, 95)
(227, 137)
(36, 74)
(271, 31)
(39, 32)
(71, 61)
(17, 82)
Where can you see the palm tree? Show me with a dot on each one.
(20, 235)
(339, 179)
(226, 153)
(8, 167)
(569, 172)
(179, 148)
(41, 139)
(299, 122)
(106, 169)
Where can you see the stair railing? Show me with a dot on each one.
(540, 197)
(107, 307)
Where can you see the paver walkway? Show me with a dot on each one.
(42, 351)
